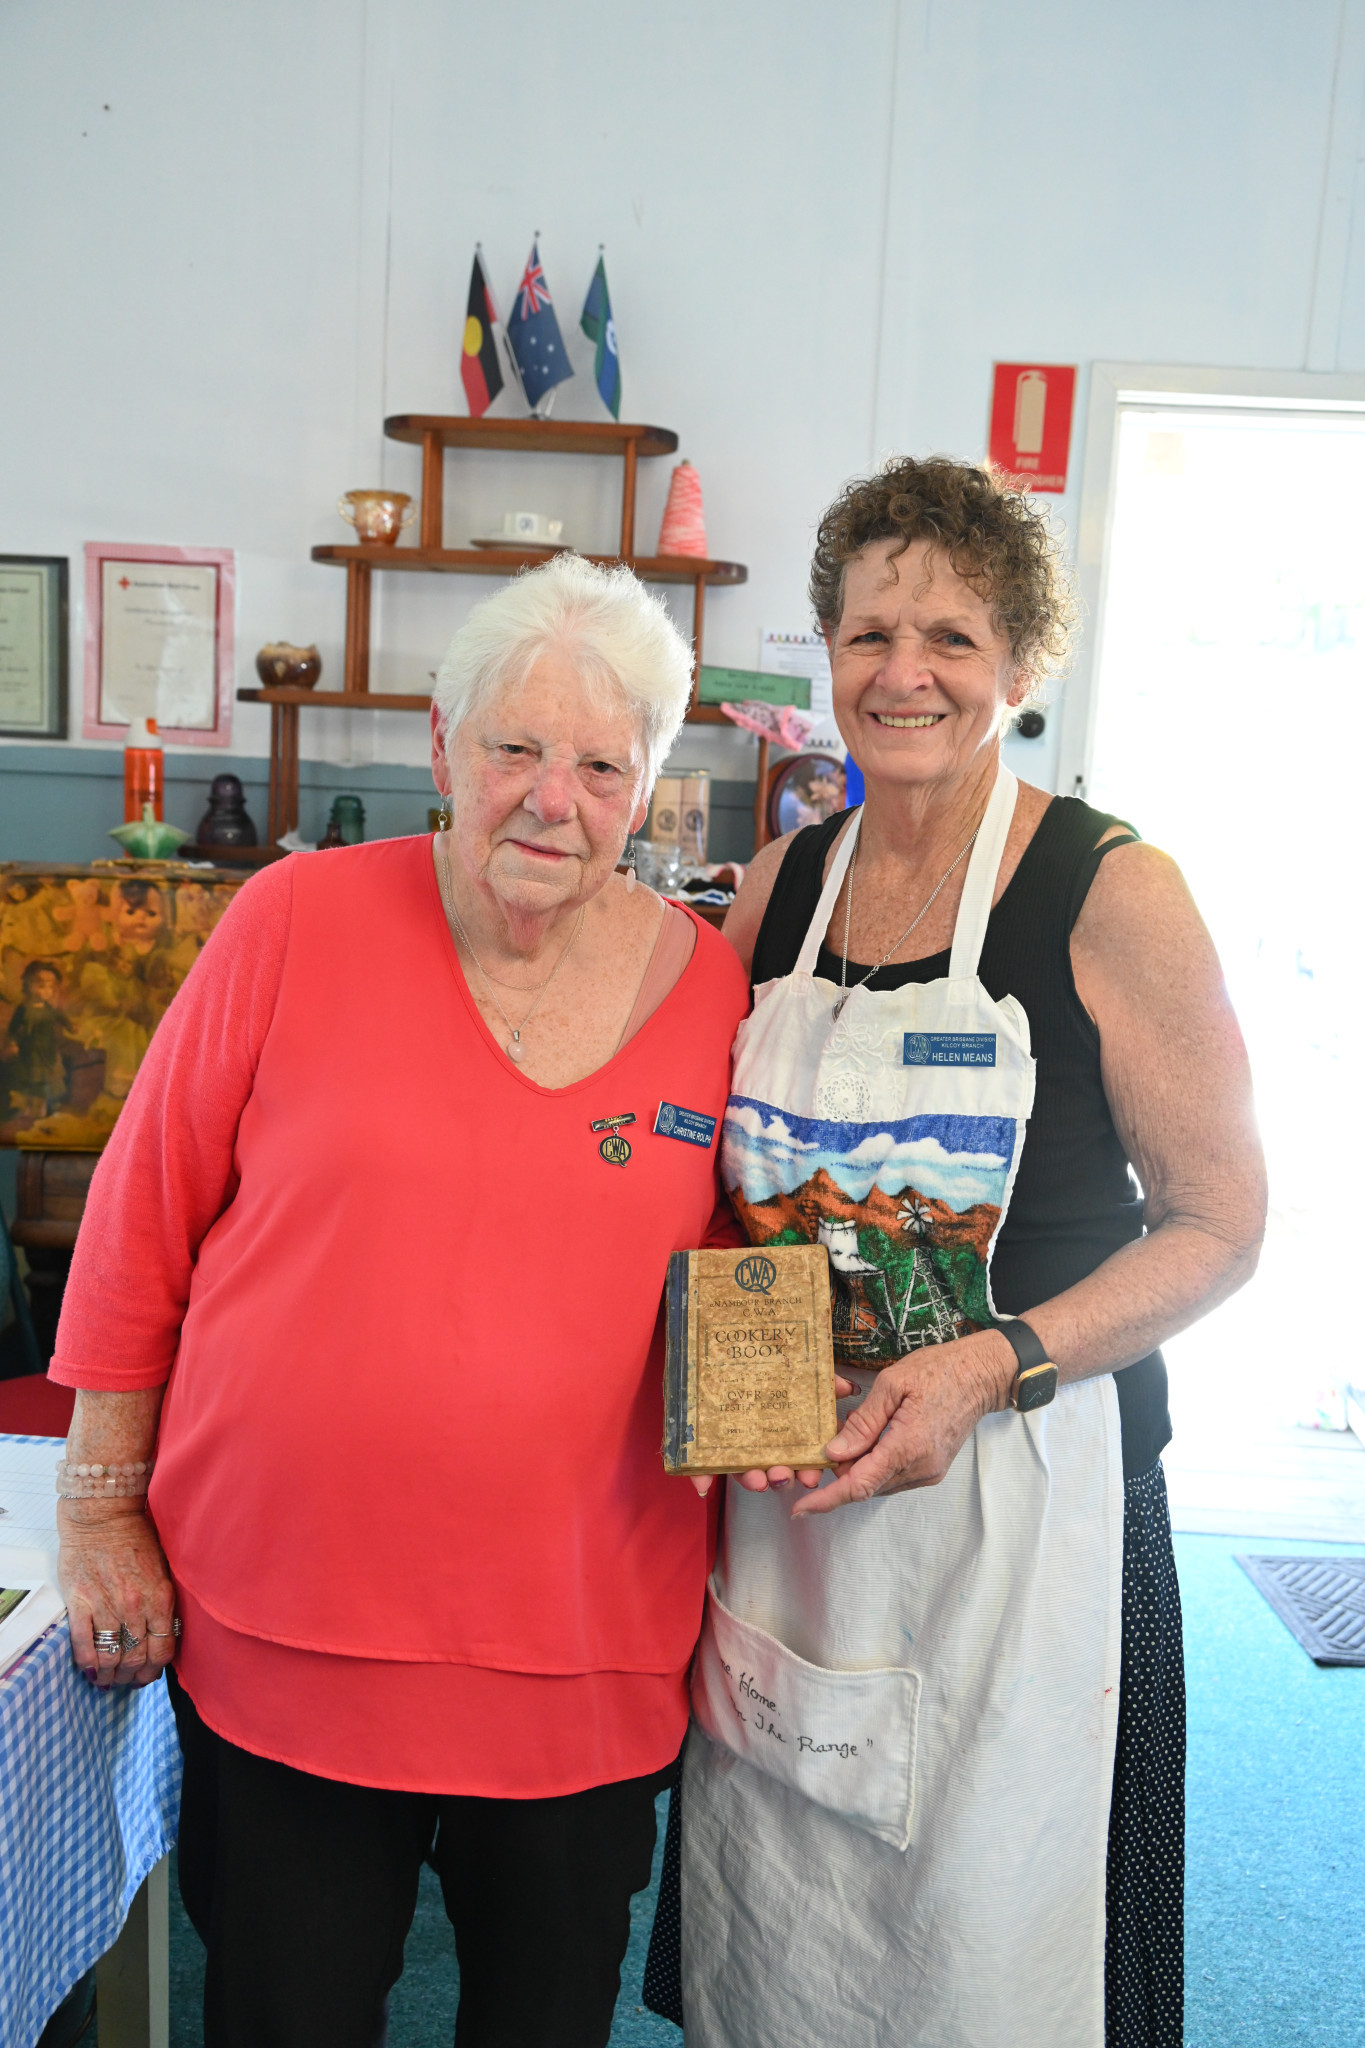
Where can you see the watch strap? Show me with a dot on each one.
(1024, 1341)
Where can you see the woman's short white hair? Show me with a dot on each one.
(615, 635)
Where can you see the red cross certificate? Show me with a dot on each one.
(159, 641)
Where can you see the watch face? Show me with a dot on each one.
(1035, 1388)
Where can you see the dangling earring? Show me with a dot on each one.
(630, 871)
(443, 816)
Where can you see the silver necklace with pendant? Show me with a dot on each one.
(513, 1048)
(844, 991)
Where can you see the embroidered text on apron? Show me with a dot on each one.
(896, 1818)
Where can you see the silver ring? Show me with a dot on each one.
(108, 1641)
(161, 1634)
(127, 1641)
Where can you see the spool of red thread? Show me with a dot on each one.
(684, 529)
(144, 771)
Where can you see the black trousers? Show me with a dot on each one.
(303, 1891)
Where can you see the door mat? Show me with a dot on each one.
(1320, 1600)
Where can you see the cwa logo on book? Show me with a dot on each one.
(755, 1276)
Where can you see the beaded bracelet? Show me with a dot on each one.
(103, 1482)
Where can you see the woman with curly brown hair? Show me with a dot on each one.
(936, 1790)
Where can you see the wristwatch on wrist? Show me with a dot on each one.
(1035, 1383)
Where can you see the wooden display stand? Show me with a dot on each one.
(434, 433)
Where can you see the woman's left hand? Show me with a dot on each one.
(915, 1419)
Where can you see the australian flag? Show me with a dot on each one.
(534, 335)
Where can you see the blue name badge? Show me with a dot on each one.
(949, 1049)
(689, 1125)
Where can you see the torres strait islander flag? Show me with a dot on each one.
(599, 326)
(480, 370)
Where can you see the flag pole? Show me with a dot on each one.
(512, 362)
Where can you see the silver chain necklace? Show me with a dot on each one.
(844, 991)
(513, 1047)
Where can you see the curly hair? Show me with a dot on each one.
(994, 539)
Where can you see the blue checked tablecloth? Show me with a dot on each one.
(89, 1798)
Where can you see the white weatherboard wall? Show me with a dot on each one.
(235, 237)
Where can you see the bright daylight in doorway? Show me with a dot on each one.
(1227, 729)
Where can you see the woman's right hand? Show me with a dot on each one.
(112, 1571)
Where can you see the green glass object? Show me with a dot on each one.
(149, 839)
(348, 815)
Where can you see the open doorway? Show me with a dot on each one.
(1226, 695)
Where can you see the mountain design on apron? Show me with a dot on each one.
(906, 1208)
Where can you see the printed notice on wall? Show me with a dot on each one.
(805, 654)
(158, 651)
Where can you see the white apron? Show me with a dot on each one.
(896, 1811)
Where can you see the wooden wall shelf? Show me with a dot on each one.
(507, 561)
(531, 437)
(434, 433)
(339, 700)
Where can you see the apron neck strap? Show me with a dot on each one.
(829, 896)
(974, 911)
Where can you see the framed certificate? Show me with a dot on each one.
(158, 642)
(33, 647)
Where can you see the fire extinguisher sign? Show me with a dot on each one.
(1031, 422)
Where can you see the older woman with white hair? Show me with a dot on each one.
(369, 1285)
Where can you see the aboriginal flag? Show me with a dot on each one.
(480, 371)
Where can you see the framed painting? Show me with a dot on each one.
(158, 641)
(33, 647)
(90, 958)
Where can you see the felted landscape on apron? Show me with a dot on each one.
(906, 1208)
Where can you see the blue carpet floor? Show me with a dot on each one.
(1275, 1914)
(1275, 1829)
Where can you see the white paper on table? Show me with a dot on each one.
(30, 1619)
(28, 1507)
(805, 654)
(28, 1539)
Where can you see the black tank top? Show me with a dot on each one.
(1075, 1199)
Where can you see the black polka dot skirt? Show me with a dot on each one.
(1144, 1957)
(1144, 1951)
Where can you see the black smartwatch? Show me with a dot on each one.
(1035, 1383)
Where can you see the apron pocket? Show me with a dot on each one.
(845, 1739)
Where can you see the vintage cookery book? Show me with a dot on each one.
(749, 1372)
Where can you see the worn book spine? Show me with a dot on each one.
(677, 1429)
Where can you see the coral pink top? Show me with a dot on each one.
(408, 1475)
